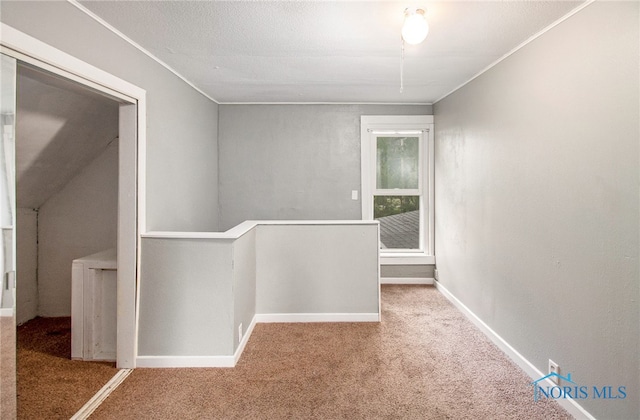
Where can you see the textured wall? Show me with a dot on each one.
(311, 269)
(408, 271)
(27, 265)
(186, 298)
(181, 123)
(537, 200)
(293, 162)
(79, 220)
(244, 283)
(51, 118)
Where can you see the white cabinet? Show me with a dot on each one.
(93, 306)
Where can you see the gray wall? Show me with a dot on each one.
(537, 200)
(293, 162)
(307, 269)
(186, 298)
(407, 271)
(244, 283)
(181, 123)
(27, 265)
(60, 129)
(77, 221)
(194, 293)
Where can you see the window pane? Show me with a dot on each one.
(399, 218)
(397, 162)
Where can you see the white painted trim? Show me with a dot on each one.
(404, 259)
(379, 274)
(575, 409)
(50, 56)
(128, 249)
(315, 222)
(109, 93)
(400, 122)
(329, 103)
(231, 361)
(519, 47)
(244, 227)
(77, 310)
(6, 312)
(406, 280)
(137, 46)
(244, 341)
(184, 361)
(142, 165)
(369, 123)
(318, 317)
(45, 56)
(101, 395)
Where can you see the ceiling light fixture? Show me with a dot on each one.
(414, 31)
(415, 28)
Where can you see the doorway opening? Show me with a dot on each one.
(66, 188)
(66, 175)
(131, 103)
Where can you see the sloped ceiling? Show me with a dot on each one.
(326, 51)
(60, 128)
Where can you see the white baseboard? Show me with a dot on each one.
(244, 341)
(568, 404)
(185, 361)
(321, 317)
(6, 312)
(230, 361)
(406, 280)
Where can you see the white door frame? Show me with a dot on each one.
(132, 157)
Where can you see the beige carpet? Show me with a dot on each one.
(424, 361)
(7, 367)
(50, 384)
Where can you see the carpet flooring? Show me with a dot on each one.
(425, 360)
(50, 384)
(7, 367)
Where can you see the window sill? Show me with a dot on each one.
(408, 258)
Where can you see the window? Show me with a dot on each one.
(397, 185)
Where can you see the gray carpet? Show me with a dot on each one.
(424, 361)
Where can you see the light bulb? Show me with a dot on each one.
(415, 28)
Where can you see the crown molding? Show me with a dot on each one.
(137, 46)
(519, 47)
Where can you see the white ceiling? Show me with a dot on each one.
(326, 51)
(60, 128)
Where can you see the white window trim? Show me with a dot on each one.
(394, 124)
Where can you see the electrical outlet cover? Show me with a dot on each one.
(554, 368)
